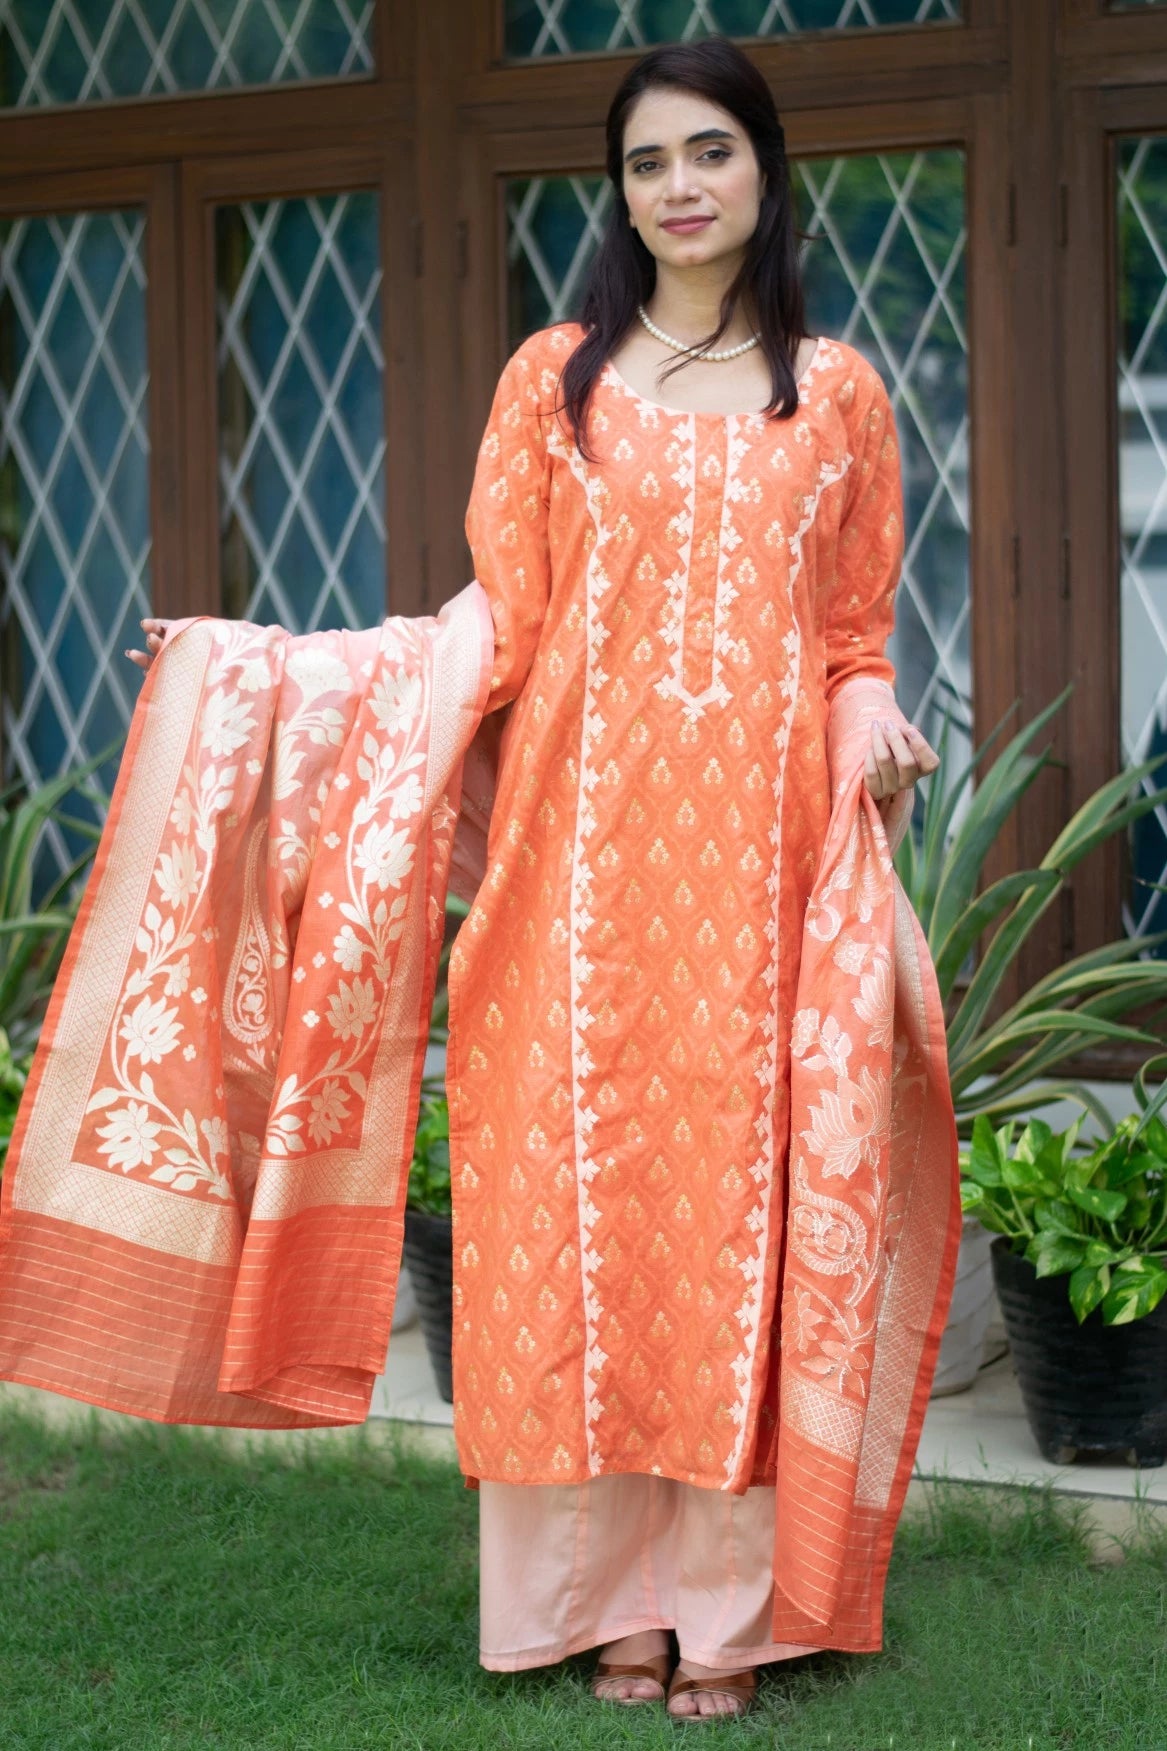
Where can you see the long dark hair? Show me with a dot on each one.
(623, 271)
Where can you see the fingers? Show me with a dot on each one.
(926, 756)
(893, 759)
(155, 631)
(899, 755)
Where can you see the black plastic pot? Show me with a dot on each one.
(429, 1253)
(1088, 1389)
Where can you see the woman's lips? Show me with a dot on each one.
(685, 225)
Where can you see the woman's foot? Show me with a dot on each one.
(648, 1647)
(734, 1700)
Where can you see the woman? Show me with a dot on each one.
(686, 516)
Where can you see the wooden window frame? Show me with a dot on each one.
(1032, 94)
(207, 184)
(190, 152)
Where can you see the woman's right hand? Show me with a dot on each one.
(155, 631)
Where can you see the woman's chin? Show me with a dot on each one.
(696, 251)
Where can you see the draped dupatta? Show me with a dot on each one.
(873, 1211)
(201, 1215)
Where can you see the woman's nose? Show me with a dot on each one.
(680, 182)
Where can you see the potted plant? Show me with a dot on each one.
(34, 929)
(429, 1245)
(1006, 1064)
(1080, 1265)
(13, 1076)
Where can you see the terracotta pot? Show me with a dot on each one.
(1088, 1389)
(429, 1253)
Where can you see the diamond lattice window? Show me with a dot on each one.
(1142, 405)
(302, 436)
(886, 275)
(85, 51)
(535, 28)
(74, 507)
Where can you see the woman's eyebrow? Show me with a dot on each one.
(705, 134)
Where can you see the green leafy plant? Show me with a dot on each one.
(1095, 1214)
(33, 933)
(13, 1076)
(1004, 1066)
(439, 1029)
(429, 1172)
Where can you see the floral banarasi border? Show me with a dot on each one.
(228, 1073)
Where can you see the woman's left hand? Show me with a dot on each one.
(155, 631)
(896, 759)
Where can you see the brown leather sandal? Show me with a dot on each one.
(741, 1686)
(657, 1669)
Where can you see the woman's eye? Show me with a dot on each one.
(714, 152)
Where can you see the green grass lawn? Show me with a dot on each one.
(161, 1590)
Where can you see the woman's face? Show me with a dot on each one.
(691, 178)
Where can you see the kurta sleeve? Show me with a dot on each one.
(860, 612)
(506, 522)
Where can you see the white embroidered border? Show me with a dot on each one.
(360, 1176)
(762, 1170)
(736, 449)
(48, 1182)
(830, 1421)
(672, 625)
(80, 1035)
(584, 1117)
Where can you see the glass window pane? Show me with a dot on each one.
(1142, 403)
(887, 275)
(74, 498)
(535, 28)
(301, 426)
(86, 51)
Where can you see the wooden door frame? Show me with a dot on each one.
(1112, 68)
(1095, 121)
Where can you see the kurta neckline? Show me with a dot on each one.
(703, 413)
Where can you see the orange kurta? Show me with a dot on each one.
(672, 624)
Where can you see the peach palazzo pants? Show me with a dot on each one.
(565, 1567)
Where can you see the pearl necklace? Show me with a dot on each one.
(679, 346)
